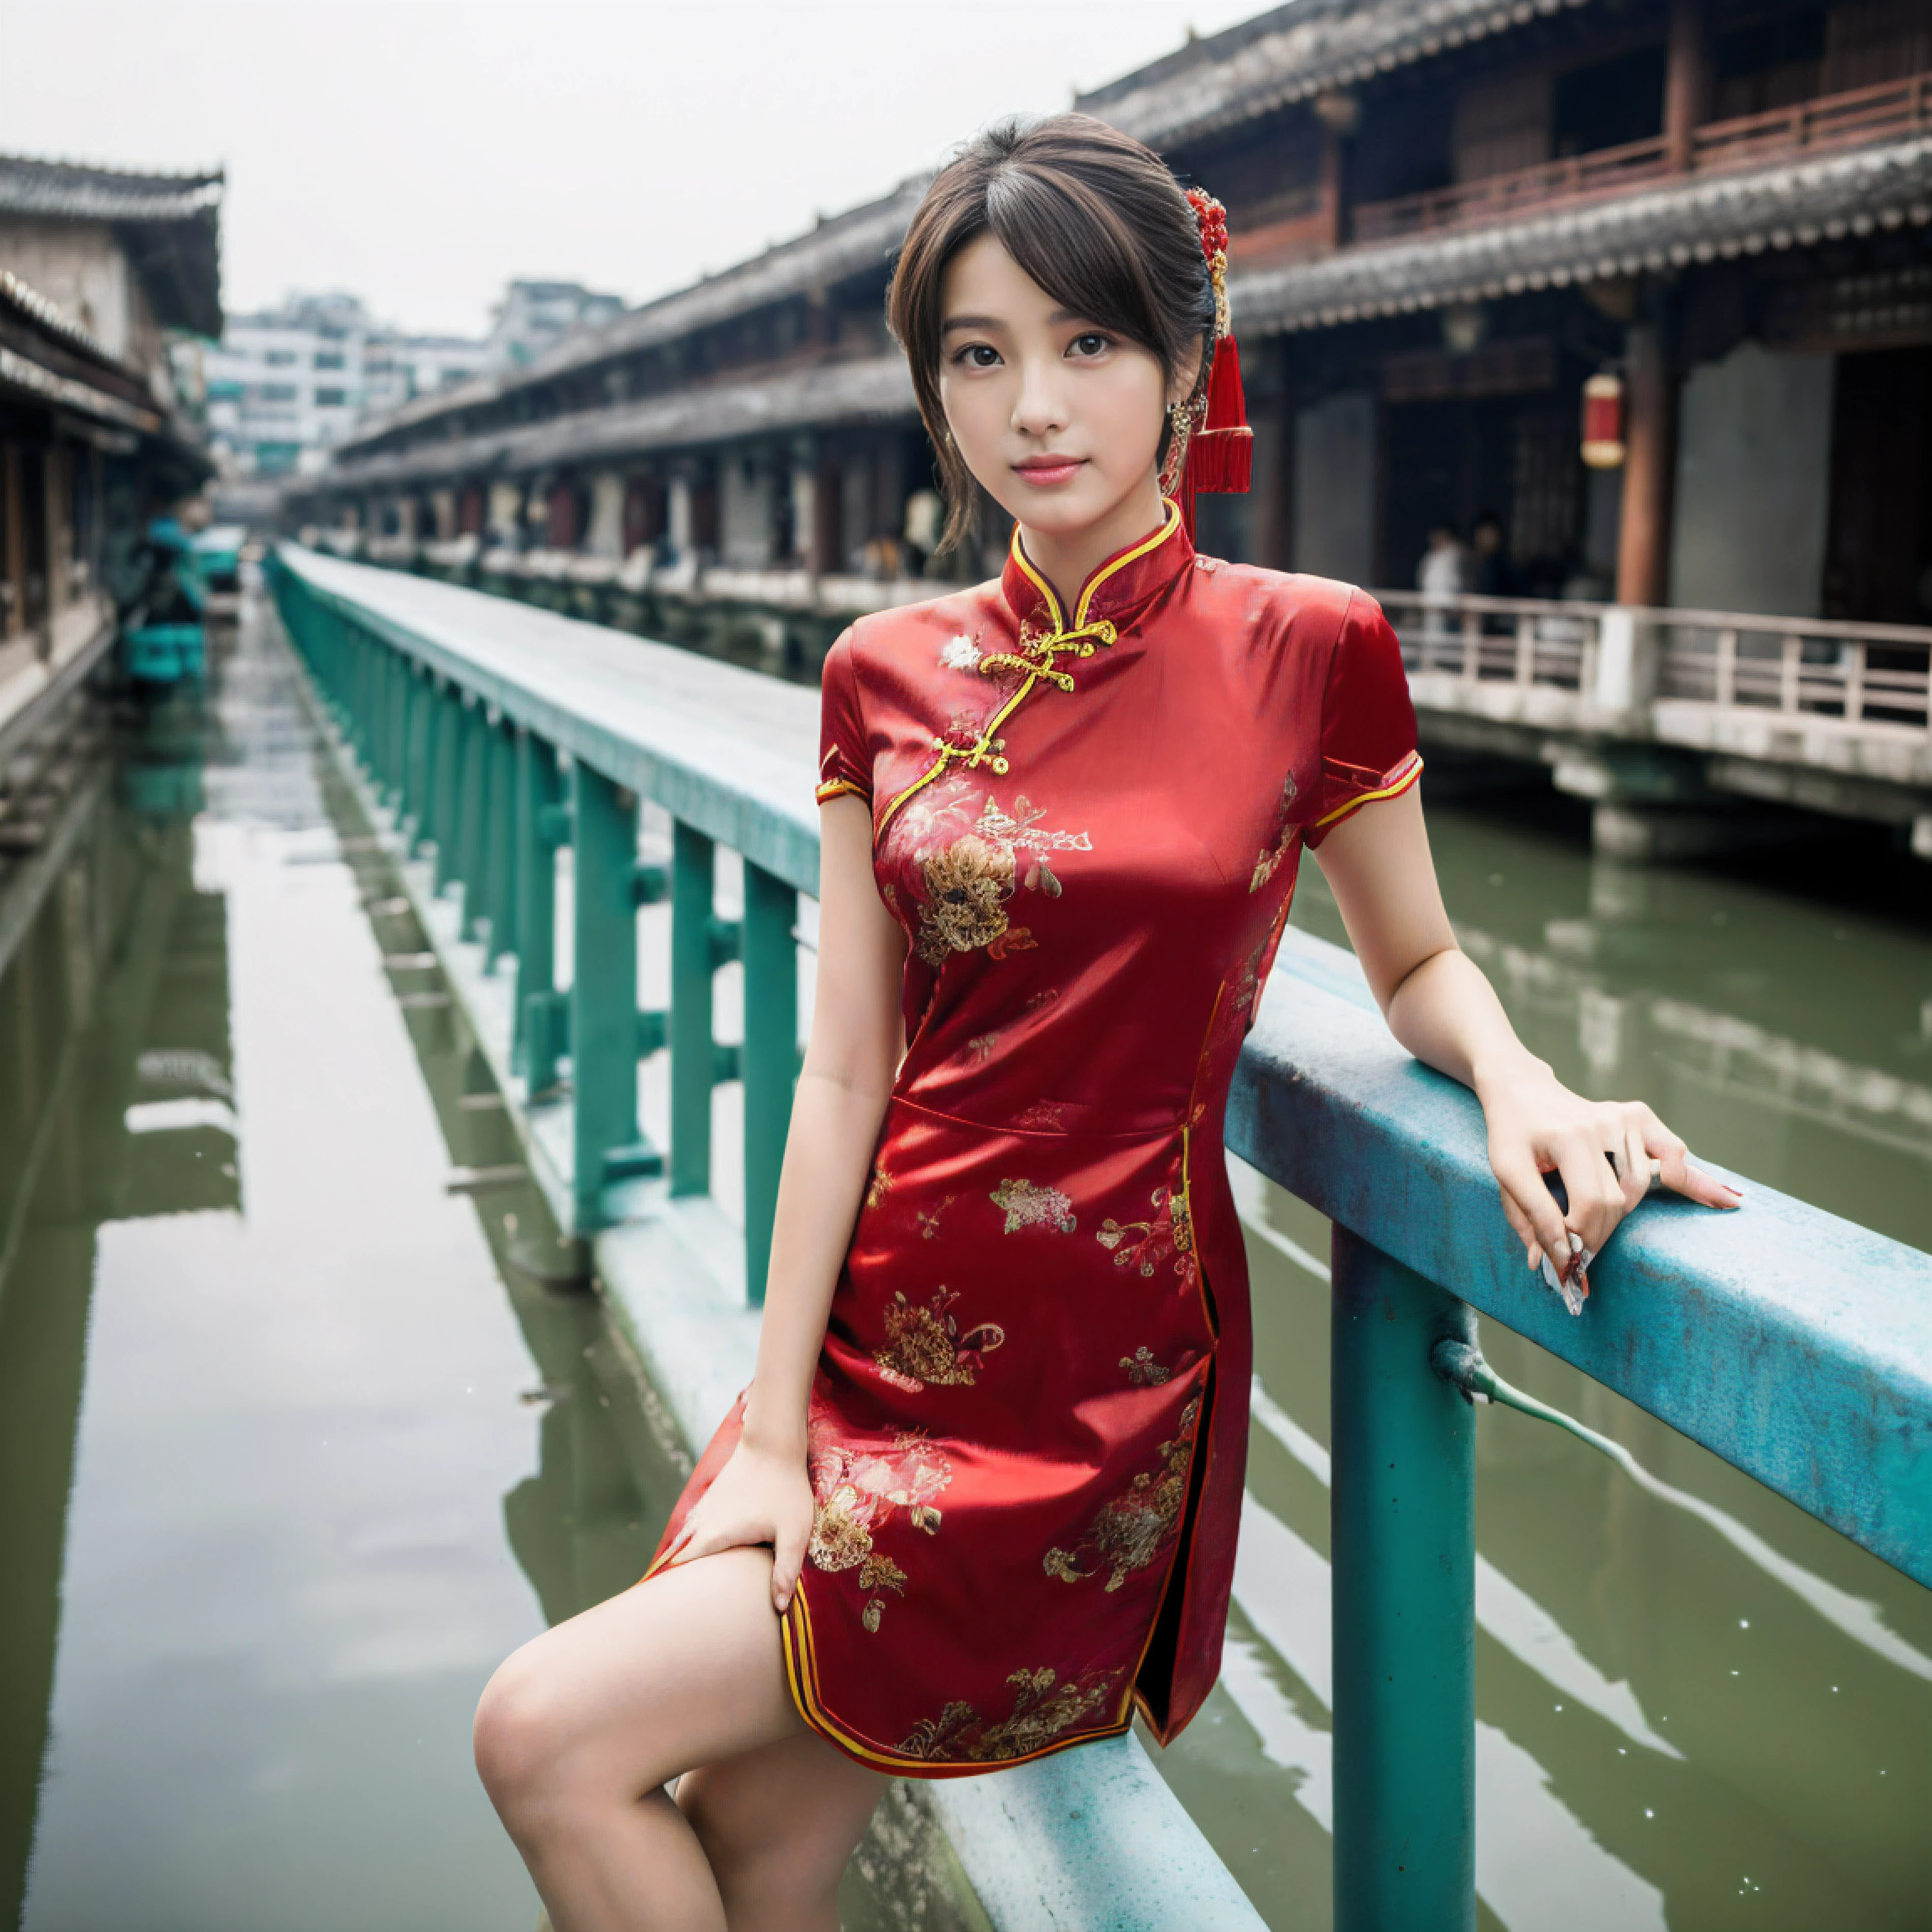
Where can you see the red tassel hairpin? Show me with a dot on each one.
(1216, 452)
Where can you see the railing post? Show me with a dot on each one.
(770, 1056)
(417, 763)
(693, 962)
(500, 838)
(400, 681)
(472, 736)
(1403, 1521)
(446, 793)
(541, 826)
(604, 992)
(382, 710)
(1855, 681)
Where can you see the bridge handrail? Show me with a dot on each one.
(1662, 617)
(1794, 1344)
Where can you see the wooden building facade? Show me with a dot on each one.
(100, 273)
(1448, 218)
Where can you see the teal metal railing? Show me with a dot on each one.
(491, 774)
(1795, 1345)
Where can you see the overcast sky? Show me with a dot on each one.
(423, 152)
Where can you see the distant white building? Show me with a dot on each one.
(284, 387)
(532, 316)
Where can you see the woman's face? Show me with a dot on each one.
(1059, 420)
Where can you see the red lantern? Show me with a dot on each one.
(1604, 421)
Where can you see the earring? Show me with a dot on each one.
(1180, 426)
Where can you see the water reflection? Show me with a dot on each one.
(294, 1444)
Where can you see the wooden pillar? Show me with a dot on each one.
(1683, 81)
(827, 555)
(1331, 188)
(56, 536)
(1272, 490)
(13, 536)
(1650, 462)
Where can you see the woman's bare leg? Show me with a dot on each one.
(578, 1732)
(778, 1826)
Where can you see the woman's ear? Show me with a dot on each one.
(1186, 374)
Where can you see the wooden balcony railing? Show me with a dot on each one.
(1861, 673)
(1864, 114)
(1497, 198)
(1873, 679)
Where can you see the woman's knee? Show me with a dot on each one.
(524, 1735)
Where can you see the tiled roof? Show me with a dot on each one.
(47, 315)
(847, 244)
(169, 224)
(1697, 220)
(1291, 53)
(823, 395)
(64, 191)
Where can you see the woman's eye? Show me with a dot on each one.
(1091, 343)
(978, 355)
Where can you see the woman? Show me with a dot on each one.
(979, 1500)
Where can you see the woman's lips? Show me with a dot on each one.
(1041, 471)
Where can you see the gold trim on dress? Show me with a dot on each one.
(1034, 657)
(802, 1678)
(1410, 769)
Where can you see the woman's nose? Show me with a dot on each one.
(1040, 408)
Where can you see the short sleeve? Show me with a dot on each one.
(1368, 722)
(844, 762)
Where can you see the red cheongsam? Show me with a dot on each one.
(1029, 1418)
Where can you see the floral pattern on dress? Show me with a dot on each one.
(1233, 1010)
(857, 1493)
(1029, 1205)
(1144, 1245)
(1020, 831)
(923, 1346)
(969, 867)
(1044, 1708)
(1271, 861)
(1143, 1371)
(967, 884)
(1132, 1530)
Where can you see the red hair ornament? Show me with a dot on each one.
(1212, 447)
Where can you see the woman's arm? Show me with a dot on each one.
(762, 1494)
(1440, 1007)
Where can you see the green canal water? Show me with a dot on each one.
(295, 1443)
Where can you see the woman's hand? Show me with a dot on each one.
(1606, 1151)
(1442, 1008)
(760, 1495)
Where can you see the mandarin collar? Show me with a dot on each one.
(1118, 591)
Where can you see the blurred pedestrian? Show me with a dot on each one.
(1489, 574)
(1440, 578)
(1440, 575)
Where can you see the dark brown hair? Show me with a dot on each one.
(1093, 217)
